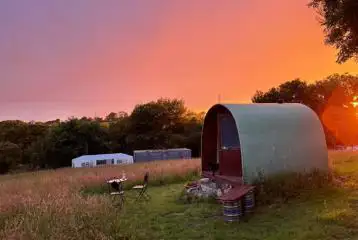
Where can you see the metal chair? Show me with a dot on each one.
(143, 188)
(115, 188)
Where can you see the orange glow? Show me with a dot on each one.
(355, 104)
(197, 55)
(355, 101)
(341, 121)
(193, 50)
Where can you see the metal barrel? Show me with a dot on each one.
(249, 201)
(232, 211)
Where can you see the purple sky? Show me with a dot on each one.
(43, 44)
(62, 58)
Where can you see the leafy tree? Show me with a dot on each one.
(22, 134)
(330, 98)
(13, 131)
(340, 22)
(117, 133)
(295, 91)
(70, 139)
(86, 119)
(10, 156)
(271, 96)
(112, 117)
(152, 124)
(192, 132)
(98, 119)
(53, 122)
(36, 154)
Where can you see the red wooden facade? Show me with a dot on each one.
(230, 162)
(220, 143)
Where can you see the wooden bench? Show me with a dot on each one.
(236, 193)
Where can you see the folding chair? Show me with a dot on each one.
(117, 186)
(143, 188)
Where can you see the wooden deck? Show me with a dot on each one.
(238, 190)
(235, 181)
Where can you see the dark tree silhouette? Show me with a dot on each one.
(10, 155)
(340, 21)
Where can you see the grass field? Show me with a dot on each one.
(70, 204)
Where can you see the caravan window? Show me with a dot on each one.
(229, 135)
(119, 161)
(101, 162)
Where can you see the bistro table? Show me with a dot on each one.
(117, 184)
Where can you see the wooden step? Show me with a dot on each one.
(232, 180)
(236, 193)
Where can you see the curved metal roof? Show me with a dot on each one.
(276, 137)
(102, 157)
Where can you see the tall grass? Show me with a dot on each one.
(51, 204)
(59, 188)
(343, 173)
(286, 186)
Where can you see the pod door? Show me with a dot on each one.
(229, 153)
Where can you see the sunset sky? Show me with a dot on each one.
(88, 57)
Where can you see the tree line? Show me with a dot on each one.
(165, 123)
